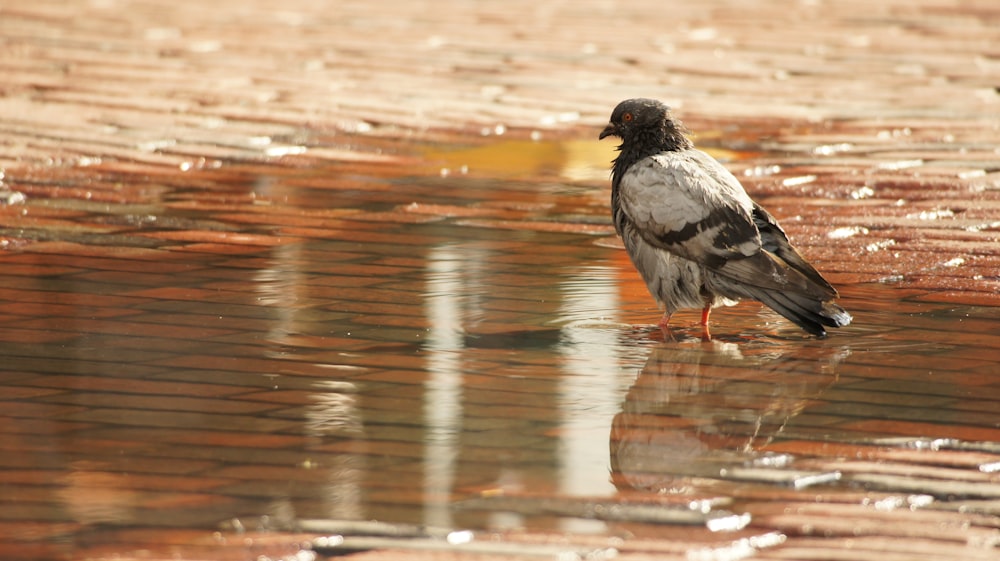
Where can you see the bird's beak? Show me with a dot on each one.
(610, 130)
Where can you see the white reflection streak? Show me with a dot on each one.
(590, 389)
(442, 390)
(335, 414)
(280, 287)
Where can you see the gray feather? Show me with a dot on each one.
(675, 282)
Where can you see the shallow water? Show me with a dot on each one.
(461, 349)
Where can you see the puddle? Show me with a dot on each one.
(315, 347)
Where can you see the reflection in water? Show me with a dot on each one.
(469, 414)
(280, 288)
(334, 414)
(698, 407)
(586, 389)
(588, 363)
(443, 388)
(93, 493)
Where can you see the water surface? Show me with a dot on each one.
(443, 346)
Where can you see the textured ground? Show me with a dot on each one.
(130, 130)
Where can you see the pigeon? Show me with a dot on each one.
(695, 236)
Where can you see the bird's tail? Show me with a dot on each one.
(808, 302)
(804, 310)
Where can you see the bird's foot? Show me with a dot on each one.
(706, 334)
(665, 327)
(665, 322)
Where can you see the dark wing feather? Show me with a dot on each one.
(776, 242)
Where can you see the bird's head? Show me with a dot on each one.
(634, 115)
(645, 127)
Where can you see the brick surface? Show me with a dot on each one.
(362, 268)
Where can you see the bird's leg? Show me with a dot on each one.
(665, 326)
(665, 321)
(706, 334)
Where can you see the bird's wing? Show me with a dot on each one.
(775, 241)
(688, 204)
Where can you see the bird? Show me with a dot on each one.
(694, 234)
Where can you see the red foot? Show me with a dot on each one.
(665, 327)
(665, 321)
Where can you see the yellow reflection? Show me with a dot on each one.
(577, 160)
(574, 160)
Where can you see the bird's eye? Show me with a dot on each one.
(627, 117)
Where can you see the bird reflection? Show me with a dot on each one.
(699, 406)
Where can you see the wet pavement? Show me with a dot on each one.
(346, 297)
